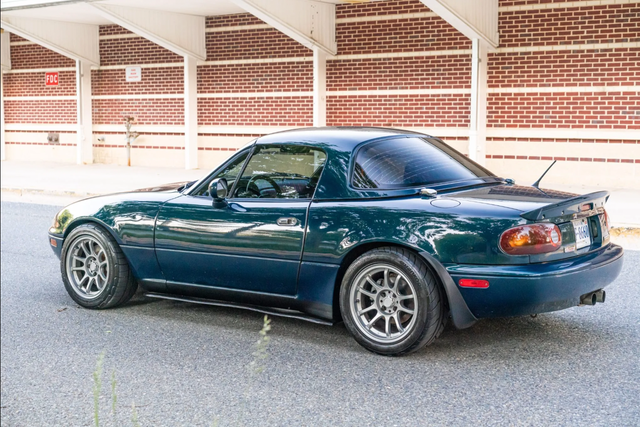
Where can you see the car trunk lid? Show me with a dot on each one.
(581, 218)
(578, 206)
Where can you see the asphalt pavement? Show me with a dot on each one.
(187, 365)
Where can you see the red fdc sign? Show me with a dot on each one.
(51, 79)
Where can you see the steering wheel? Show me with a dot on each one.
(255, 190)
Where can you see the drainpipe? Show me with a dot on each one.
(129, 137)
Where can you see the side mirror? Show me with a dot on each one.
(218, 189)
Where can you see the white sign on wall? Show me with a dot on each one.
(134, 74)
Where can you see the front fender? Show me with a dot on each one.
(129, 217)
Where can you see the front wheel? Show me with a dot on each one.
(391, 302)
(94, 270)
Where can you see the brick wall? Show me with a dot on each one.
(156, 81)
(564, 86)
(399, 110)
(439, 72)
(267, 111)
(611, 23)
(573, 66)
(563, 80)
(33, 84)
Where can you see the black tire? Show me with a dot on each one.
(361, 301)
(104, 274)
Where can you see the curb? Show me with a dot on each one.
(56, 193)
(625, 231)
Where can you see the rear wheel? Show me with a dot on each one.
(391, 302)
(94, 270)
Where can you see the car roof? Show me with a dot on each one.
(344, 138)
(339, 143)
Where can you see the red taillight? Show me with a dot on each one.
(531, 239)
(473, 283)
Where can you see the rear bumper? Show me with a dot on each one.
(517, 290)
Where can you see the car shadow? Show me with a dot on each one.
(505, 337)
(550, 335)
(244, 321)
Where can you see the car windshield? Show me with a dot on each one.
(411, 162)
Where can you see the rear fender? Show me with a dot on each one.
(460, 314)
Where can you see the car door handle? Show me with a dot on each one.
(287, 221)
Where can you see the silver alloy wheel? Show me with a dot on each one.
(383, 303)
(87, 267)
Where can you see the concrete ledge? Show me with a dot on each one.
(627, 237)
(39, 192)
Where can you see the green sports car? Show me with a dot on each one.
(392, 232)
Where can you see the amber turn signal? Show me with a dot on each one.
(531, 239)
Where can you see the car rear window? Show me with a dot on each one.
(411, 162)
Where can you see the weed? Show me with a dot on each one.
(134, 415)
(256, 367)
(114, 396)
(97, 387)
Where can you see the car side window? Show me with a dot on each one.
(281, 172)
(230, 173)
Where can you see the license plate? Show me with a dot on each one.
(583, 236)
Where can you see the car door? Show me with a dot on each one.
(253, 240)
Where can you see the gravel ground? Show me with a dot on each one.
(186, 365)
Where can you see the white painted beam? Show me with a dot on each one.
(319, 87)
(84, 148)
(476, 19)
(180, 33)
(190, 113)
(3, 153)
(5, 42)
(6, 65)
(311, 23)
(76, 41)
(478, 122)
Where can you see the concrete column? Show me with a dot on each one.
(84, 152)
(319, 87)
(4, 154)
(478, 125)
(190, 112)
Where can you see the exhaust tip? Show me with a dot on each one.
(588, 299)
(600, 295)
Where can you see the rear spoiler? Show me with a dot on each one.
(570, 206)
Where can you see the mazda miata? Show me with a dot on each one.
(391, 232)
